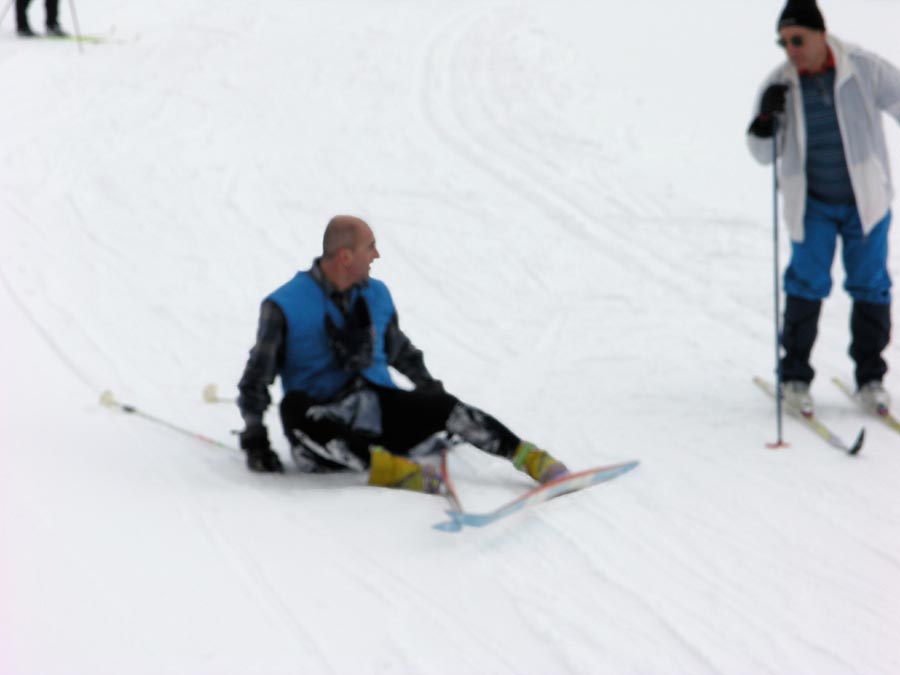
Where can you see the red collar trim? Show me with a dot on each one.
(829, 64)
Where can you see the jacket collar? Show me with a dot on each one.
(840, 53)
(342, 299)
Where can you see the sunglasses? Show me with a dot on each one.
(794, 41)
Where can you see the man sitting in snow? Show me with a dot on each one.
(330, 333)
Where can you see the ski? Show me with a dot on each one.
(86, 39)
(881, 412)
(542, 493)
(813, 422)
(111, 37)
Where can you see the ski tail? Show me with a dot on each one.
(882, 413)
(812, 421)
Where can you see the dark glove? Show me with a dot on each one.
(353, 344)
(260, 456)
(431, 387)
(773, 101)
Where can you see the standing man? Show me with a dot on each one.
(330, 334)
(51, 19)
(825, 104)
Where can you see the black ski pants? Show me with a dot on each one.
(407, 419)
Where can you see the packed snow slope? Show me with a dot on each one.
(576, 237)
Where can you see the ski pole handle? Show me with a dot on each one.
(211, 395)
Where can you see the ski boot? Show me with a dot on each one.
(796, 395)
(537, 463)
(393, 471)
(873, 395)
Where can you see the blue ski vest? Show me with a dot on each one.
(309, 364)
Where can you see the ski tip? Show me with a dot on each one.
(625, 467)
(857, 445)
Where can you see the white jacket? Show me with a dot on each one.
(865, 84)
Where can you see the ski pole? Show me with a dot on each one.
(777, 267)
(75, 26)
(6, 11)
(109, 401)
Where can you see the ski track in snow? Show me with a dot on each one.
(482, 130)
(283, 618)
(584, 268)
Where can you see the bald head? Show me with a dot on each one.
(342, 232)
(348, 249)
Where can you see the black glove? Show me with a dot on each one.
(773, 99)
(354, 344)
(260, 456)
(772, 102)
(431, 387)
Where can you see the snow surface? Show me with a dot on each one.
(578, 239)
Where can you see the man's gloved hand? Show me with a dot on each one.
(773, 99)
(772, 102)
(431, 387)
(260, 456)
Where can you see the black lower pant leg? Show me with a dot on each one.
(870, 330)
(482, 430)
(52, 16)
(22, 13)
(801, 325)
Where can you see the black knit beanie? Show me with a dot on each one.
(801, 13)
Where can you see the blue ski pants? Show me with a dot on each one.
(808, 275)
